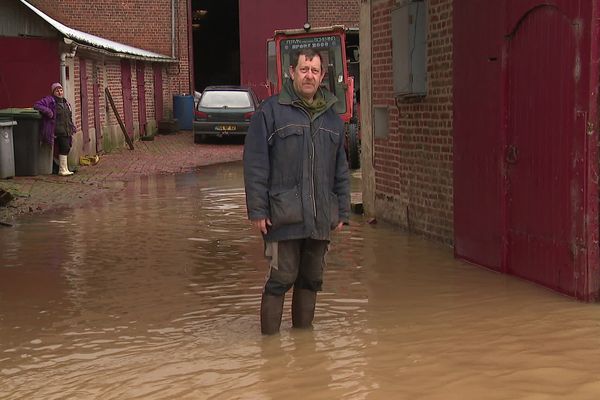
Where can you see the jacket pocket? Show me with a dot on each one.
(286, 207)
(334, 211)
(286, 155)
(334, 136)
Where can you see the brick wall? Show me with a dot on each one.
(413, 164)
(109, 75)
(333, 12)
(140, 23)
(113, 82)
(149, 79)
(145, 24)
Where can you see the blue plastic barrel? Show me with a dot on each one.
(183, 110)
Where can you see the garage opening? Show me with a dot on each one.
(216, 40)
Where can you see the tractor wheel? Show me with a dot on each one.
(353, 147)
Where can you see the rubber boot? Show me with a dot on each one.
(271, 308)
(63, 166)
(303, 308)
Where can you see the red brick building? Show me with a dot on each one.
(92, 48)
(334, 12)
(480, 130)
(142, 78)
(160, 26)
(408, 167)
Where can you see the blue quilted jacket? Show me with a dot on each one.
(295, 168)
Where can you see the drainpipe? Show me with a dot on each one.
(63, 68)
(63, 61)
(173, 28)
(190, 47)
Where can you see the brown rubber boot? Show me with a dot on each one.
(271, 308)
(303, 308)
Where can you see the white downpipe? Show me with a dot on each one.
(63, 61)
(63, 69)
(173, 28)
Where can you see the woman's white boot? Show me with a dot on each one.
(63, 166)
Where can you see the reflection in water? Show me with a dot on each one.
(154, 294)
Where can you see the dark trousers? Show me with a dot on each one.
(64, 145)
(298, 263)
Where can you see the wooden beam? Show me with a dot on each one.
(123, 129)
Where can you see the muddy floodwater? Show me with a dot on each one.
(154, 292)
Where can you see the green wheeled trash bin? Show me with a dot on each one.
(7, 152)
(31, 157)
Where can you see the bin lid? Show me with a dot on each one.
(7, 122)
(19, 113)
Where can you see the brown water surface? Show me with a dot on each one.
(154, 294)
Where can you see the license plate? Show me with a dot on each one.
(225, 128)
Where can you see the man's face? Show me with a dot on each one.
(307, 76)
(58, 92)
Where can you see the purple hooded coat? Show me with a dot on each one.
(47, 107)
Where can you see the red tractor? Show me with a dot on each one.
(338, 47)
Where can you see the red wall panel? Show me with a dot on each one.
(258, 20)
(27, 69)
(478, 36)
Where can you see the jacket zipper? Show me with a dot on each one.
(312, 170)
(312, 161)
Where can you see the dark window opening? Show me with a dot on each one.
(216, 38)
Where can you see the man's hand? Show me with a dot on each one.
(261, 224)
(339, 227)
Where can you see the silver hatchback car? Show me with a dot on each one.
(224, 111)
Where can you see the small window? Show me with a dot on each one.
(272, 64)
(229, 99)
(409, 48)
(380, 122)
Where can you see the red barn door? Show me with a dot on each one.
(526, 140)
(83, 88)
(545, 150)
(141, 92)
(127, 96)
(28, 66)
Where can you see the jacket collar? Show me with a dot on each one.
(288, 96)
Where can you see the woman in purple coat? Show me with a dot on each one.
(57, 124)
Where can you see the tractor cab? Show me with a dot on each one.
(338, 47)
(330, 42)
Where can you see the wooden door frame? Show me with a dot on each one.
(126, 95)
(591, 288)
(84, 106)
(140, 69)
(97, 118)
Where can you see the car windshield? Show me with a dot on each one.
(225, 98)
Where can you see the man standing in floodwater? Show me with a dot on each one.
(297, 188)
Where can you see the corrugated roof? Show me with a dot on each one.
(120, 49)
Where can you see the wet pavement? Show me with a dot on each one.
(153, 291)
(166, 154)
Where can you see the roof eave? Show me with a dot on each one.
(98, 44)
